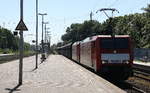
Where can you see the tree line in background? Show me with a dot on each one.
(136, 25)
(10, 43)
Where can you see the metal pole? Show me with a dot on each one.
(45, 32)
(45, 40)
(21, 46)
(43, 56)
(36, 66)
(42, 34)
(45, 47)
(42, 31)
(49, 44)
(50, 40)
(91, 15)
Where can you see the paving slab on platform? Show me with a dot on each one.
(56, 75)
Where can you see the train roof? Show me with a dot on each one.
(115, 36)
(76, 43)
(67, 45)
(93, 38)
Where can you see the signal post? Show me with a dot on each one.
(21, 27)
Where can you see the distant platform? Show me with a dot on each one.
(5, 54)
(142, 63)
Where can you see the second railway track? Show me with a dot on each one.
(139, 82)
(142, 68)
(141, 78)
(141, 71)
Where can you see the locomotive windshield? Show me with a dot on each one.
(114, 43)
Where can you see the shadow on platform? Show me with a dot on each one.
(13, 89)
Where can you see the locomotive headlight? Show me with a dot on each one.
(125, 61)
(104, 61)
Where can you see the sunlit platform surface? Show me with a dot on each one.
(56, 75)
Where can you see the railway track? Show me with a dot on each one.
(142, 72)
(140, 81)
(142, 68)
(129, 87)
(134, 88)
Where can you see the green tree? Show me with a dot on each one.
(147, 9)
(136, 25)
(9, 41)
(72, 33)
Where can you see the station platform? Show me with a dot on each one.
(56, 75)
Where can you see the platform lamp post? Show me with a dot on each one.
(45, 44)
(46, 30)
(42, 42)
(49, 36)
(36, 56)
(48, 39)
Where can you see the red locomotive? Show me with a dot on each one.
(110, 56)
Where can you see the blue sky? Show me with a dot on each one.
(62, 13)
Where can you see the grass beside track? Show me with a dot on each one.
(14, 57)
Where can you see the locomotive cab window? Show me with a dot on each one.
(114, 43)
(107, 43)
(121, 43)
